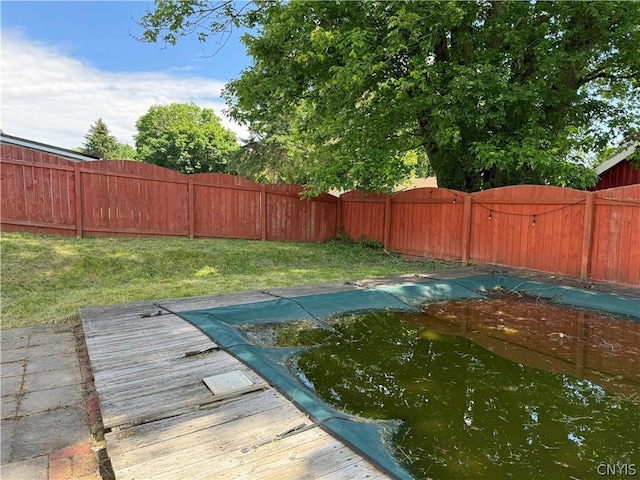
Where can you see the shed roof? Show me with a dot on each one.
(617, 158)
(43, 147)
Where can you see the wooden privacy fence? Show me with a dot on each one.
(588, 234)
(48, 194)
(559, 230)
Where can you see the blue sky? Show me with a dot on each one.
(65, 64)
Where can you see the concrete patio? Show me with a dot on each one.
(48, 406)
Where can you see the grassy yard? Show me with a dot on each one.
(45, 279)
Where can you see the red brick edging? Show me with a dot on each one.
(78, 463)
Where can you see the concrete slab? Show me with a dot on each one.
(8, 408)
(10, 386)
(12, 369)
(14, 338)
(44, 400)
(52, 362)
(42, 433)
(13, 354)
(31, 469)
(6, 439)
(52, 379)
(61, 343)
(46, 338)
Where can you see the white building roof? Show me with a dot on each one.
(617, 158)
(43, 147)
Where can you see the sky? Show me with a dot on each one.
(66, 64)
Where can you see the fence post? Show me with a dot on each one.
(387, 222)
(466, 227)
(263, 212)
(339, 225)
(587, 234)
(191, 195)
(77, 182)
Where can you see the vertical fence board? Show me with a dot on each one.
(466, 228)
(624, 243)
(28, 194)
(564, 240)
(12, 203)
(600, 241)
(550, 252)
(191, 208)
(518, 250)
(89, 208)
(46, 195)
(633, 268)
(77, 198)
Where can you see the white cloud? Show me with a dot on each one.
(51, 97)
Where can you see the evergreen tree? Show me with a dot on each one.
(98, 141)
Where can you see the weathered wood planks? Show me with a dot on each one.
(163, 423)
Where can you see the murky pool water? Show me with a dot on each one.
(494, 389)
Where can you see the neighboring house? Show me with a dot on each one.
(25, 144)
(428, 182)
(619, 170)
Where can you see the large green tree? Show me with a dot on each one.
(184, 137)
(497, 93)
(123, 151)
(272, 158)
(279, 151)
(276, 152)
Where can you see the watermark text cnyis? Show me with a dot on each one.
(617, 469)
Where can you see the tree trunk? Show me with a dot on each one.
(450, 170)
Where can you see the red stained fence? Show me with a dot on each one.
(558, 230)
(48, 194)
(588, 234)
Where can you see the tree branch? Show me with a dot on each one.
(173, 19)
(602, 74)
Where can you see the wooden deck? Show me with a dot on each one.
(163, 422)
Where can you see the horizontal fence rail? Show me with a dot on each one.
(593, 235)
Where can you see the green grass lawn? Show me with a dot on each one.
(45, 279)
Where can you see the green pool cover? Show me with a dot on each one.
(369, 438)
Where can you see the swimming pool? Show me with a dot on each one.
(372, 437)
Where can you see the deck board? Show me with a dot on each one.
(162, 421)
